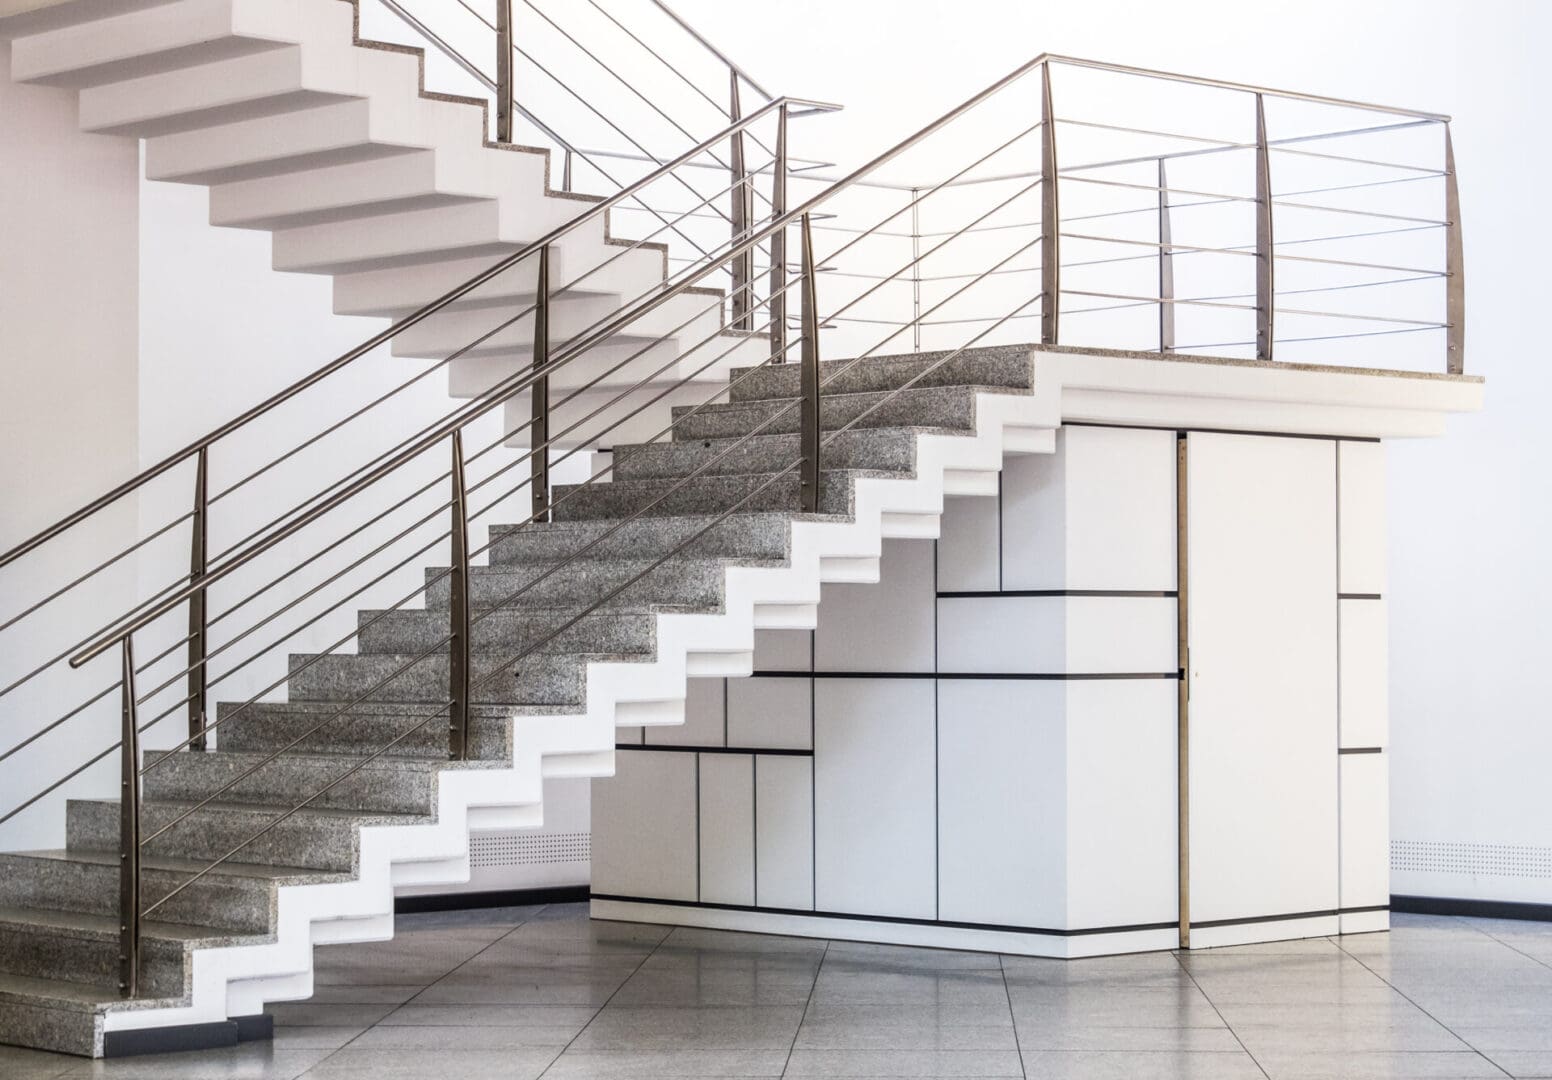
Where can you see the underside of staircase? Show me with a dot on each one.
(243, 934)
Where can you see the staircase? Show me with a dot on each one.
(243, 934)
(446, 711)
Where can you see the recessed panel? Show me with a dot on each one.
(874, 809)
(969, 546)
(1365, 674)
(784, 832)
(886, 626)
(1002, 820)
(644, 826)
(727, 828)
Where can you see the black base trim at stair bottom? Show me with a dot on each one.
(1291, 916)
(216, 1035)
(489, 898)
(1481, 909)
(891, 919)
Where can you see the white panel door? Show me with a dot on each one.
(1261, 541)
(874, 812)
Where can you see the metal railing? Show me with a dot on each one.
(976, 227)
(569, 77)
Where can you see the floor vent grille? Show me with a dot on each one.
(529, 849)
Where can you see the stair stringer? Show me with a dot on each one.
(239, 980)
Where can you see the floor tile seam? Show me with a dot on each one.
(1180, 959)
(600, 1010)
(541, 909)
(1012, 1017)
(818, 968)
(417, 993)
(1405, 997)
(1512, 948)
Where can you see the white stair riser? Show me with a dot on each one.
(689, 322)
(415, 236)
(581, 263)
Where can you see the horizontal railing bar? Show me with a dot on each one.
(1172, 245)
(1155, 300)
(1251, 307)
(1223, 84)
(1221, 143)
(1356, 187)
(1357, 160)
(1363, 265)
(1217, 196)
(1278, 201)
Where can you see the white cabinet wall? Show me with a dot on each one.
(981, 750)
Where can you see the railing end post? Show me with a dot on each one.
(129, 826)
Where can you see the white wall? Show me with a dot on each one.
(1470, 514)
(68, 409)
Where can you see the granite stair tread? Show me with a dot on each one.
(106, 928)
(55, 993)
(1005, 368)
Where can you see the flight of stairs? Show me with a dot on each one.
(331, 143)
(243, 935)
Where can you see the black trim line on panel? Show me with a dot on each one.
(892, 919)
(1224, 431)
(1481, 909)
(1359, 596)
(214, 1035)
(779, 751)
(994, 675)
(978, 594)
(1361, 750)
(1289, 917)
(489, 898)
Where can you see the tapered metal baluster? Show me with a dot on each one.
(743, 263)
(916, 270)
(1265, 285)
(565, 174)
(778, 301)
(1166, 269)
(1454, 266)
(506, 91)
(1050, 219)
(539, 431)
(199, 547)
(459, 625)
(808, 492)
(129, 828)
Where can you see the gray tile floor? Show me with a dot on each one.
(523, 993)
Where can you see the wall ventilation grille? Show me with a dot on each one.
(529, 849)
(1498, 860)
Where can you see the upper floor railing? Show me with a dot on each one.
(1069, 203)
